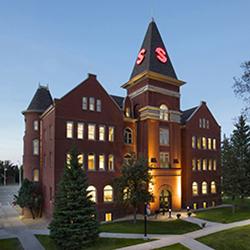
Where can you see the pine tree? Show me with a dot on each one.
(74, 223)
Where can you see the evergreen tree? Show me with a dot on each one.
(74, 223)
(132, 185)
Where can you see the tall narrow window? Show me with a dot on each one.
(207, 124)
(204, 142)
(108, 217)
(101, 133)
(68, 158)
(98, 105)
(111, 134)
(210, 164)
(36, 147)
(193, 164)
(101, 162)
(108, 194)
(36, 126)
(204, 164)
(200, 123)
(199, 142)
(81, 160)
(199, 164)
(213, 187)
(164, 136)
(164, 160)
(91, 132)
(80, 130)
(209, 142)
(193, 142)
(214, 144)
(69, 130)
(111, 162)
(163, 112)
(36, 175)
(92, 193)
(92, 103)
(204, 187)
(194, 188)
(214, 165)
(204, 123)
(128, 136)
(84, 103)
(91, 162)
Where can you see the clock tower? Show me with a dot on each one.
(154, 93)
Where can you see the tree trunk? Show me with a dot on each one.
(32, 212)
(135, 211)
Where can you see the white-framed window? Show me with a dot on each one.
(98, 105)
(91, 161)
(101, 133)
(195, 188)
(80, 158)
(101, 162)
(84, 103)
(193, 142)
(204, 187)
(199, 164)
(36, 147)
(128, 136)
(91, 131)
(213, 187)
(207, 124)
(92, 193)
(200, 123)
(111, 134)
(164, 112)
(92, 104)
(36, 175)
(108, 193)
(108, 217)
(36, 125)
(111, 162)
(80, 130)
(204, 164)
(214, 165)
(199, 142)
(164, 159)
(69, 129)
(214, 144)
(164, 136)
(193, 164)
(204, 123)
(210, 164)
(209, 142)
(204, 142)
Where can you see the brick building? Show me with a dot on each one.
(182, 147)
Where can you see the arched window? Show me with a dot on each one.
(36, 147)
(164, 112)
(92, 193)
(204, 187)
(108, 194)
(213, 187)
(194, 188)
(128, 136)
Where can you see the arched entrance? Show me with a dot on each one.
(165, 201)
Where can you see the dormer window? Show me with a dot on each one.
(164, 112)
(84, 103)
(92, 104)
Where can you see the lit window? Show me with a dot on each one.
(68, 158)
(92, 103)
(108, 194)
(101, 133)
(35, 147)
(195, 206)
(193, 142)
(204, 164)
(98, 105)
(111, 162)
(199, 142)
(92, 193)
(84, 103)
(80, 129)
(111, 133)
(163, 112)
(69, 131)
(127, 112)
(209, 140)
(204, 187)
(164, 160)
(214, 165)
(36, 175)
(213, 187)
(101, 162)
(80, 160)
(36, 125)
(108, 217)
(199, 164)
(193, 164)
(194, 188)
(164, 136)
(214, 144)
(204, 204)
(91, 162)
(207, 124)
(91, 132)
(204, 142)
(128, 136)
(210, 165)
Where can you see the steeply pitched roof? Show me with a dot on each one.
(41, 100)
(151, 42)
(186, 114)
(119, 100)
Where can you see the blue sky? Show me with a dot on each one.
(59, 42)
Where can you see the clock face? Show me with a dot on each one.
(161, 55)
(141, 56)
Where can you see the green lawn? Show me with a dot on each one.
(154, 227)
(232, 239)
(10, 244)
(173, 247)
(100, 244)
(226, 215)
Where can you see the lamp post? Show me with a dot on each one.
(145, 220)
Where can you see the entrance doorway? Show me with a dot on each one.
(165, 200)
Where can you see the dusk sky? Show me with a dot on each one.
(59, 42)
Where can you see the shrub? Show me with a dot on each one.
(178, 216)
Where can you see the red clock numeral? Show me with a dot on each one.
(161, 55)
(141, 56)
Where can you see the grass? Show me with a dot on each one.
(10, 244)
(154, 227)
(235, 238)
(225, 214)
(173, 247)
(100, 244)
